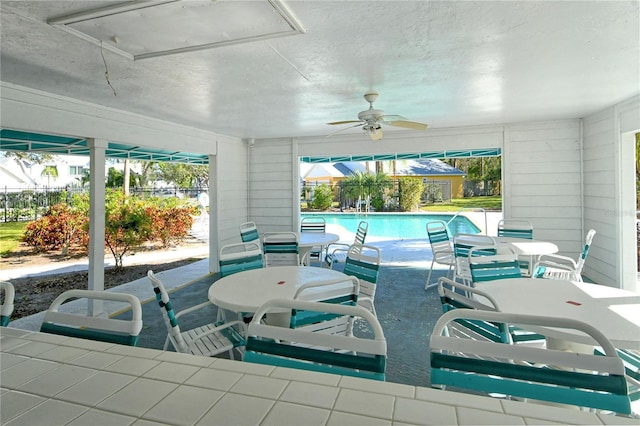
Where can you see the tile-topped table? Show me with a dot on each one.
(47, 379)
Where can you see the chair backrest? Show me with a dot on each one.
(439, 237)
(310, 349)
(462, 243)
(488, 267)
(313, 224)
(280, 249)
(455, 295)
(361, 233)
(515, 228)
(249, 232)
(363, 262)
(585, 250)
(528, 372)
(84, 326)
(240, 257)
(6, 308)
(340, 291)
(168, 314)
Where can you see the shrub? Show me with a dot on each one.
(171, 219)
(60, 228)
(322, 197)
(410, 191)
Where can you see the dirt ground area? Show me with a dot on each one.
(35, 294)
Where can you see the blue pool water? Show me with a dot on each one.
(397, 226)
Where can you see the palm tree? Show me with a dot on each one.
(50, 172)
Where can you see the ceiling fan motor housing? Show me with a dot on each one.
(371, 115)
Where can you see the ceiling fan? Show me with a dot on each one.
(371, 120)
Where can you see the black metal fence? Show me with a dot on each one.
(23, 205)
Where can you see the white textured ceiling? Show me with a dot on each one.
(444, 63)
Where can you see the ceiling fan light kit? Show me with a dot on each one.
(371, 120)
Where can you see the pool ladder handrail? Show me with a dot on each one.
(477, 209)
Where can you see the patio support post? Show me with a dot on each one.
(97, 150)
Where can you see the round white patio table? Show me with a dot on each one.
(527, 247)
(613, 311)
(308, 240)
(246, 291)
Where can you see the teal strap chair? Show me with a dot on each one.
(6, 308)
(206, 340)
(363, 262)
(337, 252)
(85, 326)
(340, 291)
(462, 244)
(249, 232)
(455, 295)
(556, 266)
(441, 248)
(536, 373)
(280, 249)
(485, 266)
(518, 228)
(238, 257)
(314, 224)
(312, 348)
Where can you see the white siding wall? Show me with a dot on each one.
(542, 182)
(273, 185)
(609, 199)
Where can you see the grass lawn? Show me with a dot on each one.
(10, 234)
(493, 203)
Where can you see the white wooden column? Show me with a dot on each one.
(214, 202)
(97, 150)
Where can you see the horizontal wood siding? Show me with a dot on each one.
(272, 185)
(232, 183)
(542, 180)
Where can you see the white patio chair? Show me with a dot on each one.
(207, 340)
(363, 262)
(462, 243)
(280, 249)
(237, 257)
(311, 348)
(533, 373)
(249, 232)
(6, 308)
(487, 263)
(441, 247)
(518, 228)
(337, 252)
(85, 326)
(556, 266)
(313, 224)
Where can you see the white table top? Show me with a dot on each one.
(246, 291)
(613, 311)
(528, 247)
(49, 379)
(310, 239)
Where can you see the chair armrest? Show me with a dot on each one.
(193, 308)
(224, 326)
(557, 259)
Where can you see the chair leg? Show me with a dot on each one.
(427, 286)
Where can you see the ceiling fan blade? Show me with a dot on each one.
(388, 118)
(407, 124)
(344, 122)
(346, 128)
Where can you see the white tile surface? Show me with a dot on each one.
(97, 417)
(137, 397)
(96, 388)
(234, 409)
(96, 360)
(558, 414)
(57, 380)
(9, 360)
(132, 366)
(388, 388)
(63, 354)
(171, 372)
(338, 418)
(285, 414)
(184, 406)
(423, 412)
(265, 387)
(50, 412)
(461, 399)
(369, 404)
(214, 379)
(306, 376)
(24, 372)
(14, 403)
(310, 394)
(472, 416)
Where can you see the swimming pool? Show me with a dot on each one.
(397, 225)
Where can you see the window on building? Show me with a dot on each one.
(76, 171)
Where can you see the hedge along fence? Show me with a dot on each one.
(130, 222)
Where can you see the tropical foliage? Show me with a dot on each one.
(322, 197)
(411, 190)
